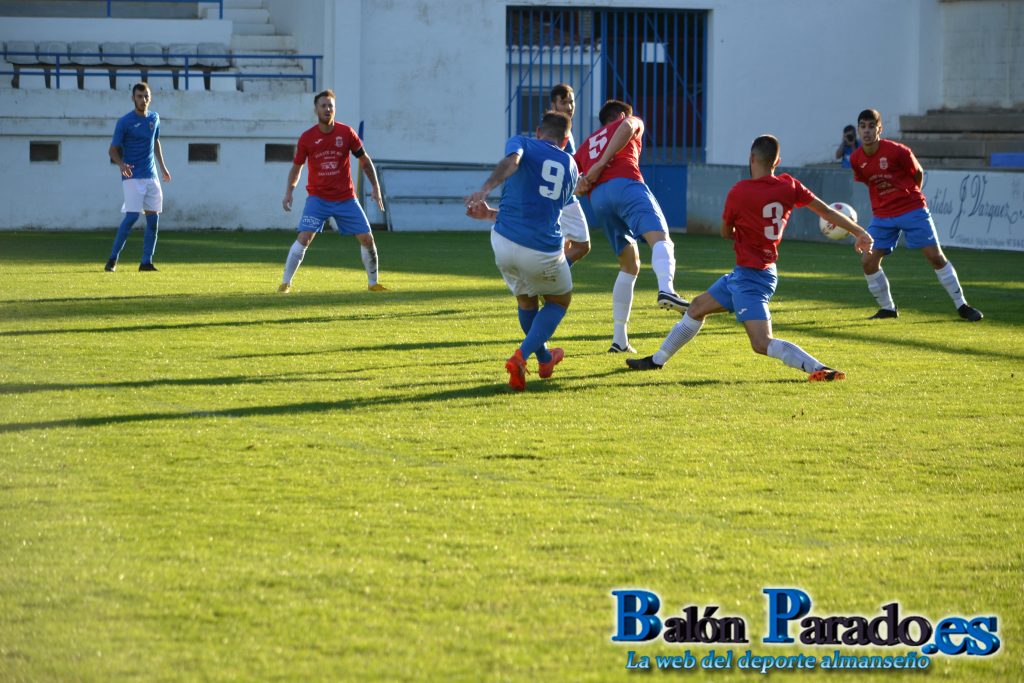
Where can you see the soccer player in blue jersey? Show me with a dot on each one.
(528, 246)
(136, 150)
(574, 222)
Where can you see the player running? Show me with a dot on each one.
(528, 247)
(326, 147)
(609, 162)
(756, 211)
(894, 177)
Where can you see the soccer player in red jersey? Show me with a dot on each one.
(326, 148)
(609, 162)
(755, 215)
(894, 177)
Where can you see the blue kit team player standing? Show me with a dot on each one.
(136, 150)
(528, 245)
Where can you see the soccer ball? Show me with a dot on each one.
(831, 230)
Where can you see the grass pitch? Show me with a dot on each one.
(205, 480)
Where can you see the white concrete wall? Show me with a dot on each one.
(984, 60)
(83, 190)
(801, 69)
(164, 31)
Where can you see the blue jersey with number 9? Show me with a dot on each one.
(533, 197)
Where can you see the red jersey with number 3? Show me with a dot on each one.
(329, 173)
(625, 164)
(889, 175)
(759, 209)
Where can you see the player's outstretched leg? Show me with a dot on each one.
(948, 277)
(795, 357)
(681, 333)
(622, 305)
(119, 240)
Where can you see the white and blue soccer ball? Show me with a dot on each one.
(833, 231)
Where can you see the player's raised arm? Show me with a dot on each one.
(293, 179)
(864, 242)
(502, 172)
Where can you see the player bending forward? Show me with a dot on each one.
(528, 246)
(755, 215)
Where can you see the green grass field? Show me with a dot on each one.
(205, 480)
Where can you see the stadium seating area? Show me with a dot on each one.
(88, 65)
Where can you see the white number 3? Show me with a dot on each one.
(773, 212)
(554, 173)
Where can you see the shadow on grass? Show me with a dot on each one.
(230, 323)
(488, 390)
(231, 380)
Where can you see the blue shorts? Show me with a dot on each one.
(626, 209)
(746, 292)
(917, 226)
(348, 216)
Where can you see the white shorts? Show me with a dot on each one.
(529, 272)
(573, 223)
(142, 194)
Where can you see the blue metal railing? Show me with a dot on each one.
(189, 69)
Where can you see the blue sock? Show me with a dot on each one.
(122, 234)
(149, 240)
(526, 318)
(544, 325)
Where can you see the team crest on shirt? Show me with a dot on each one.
(883, 163)
(338, 142)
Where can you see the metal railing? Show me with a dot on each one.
(190, 68)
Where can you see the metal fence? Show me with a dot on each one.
(653, 59)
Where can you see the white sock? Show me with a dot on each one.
(947, 276)
(663, 263)
(622, 304)
(682, 332)
(793, 356)
(291, 264)
(878, 285)
(370, 263)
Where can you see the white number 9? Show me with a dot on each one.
(554, 173)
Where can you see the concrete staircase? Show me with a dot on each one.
(963, 138)
(254, 34)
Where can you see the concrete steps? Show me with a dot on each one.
(963, 138)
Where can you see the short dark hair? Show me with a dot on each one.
(560, 90)
(612, 108)
(766, 149)
(850, 129)
(139, 87)
(869, 115)
(323, 93)
(555, 124)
